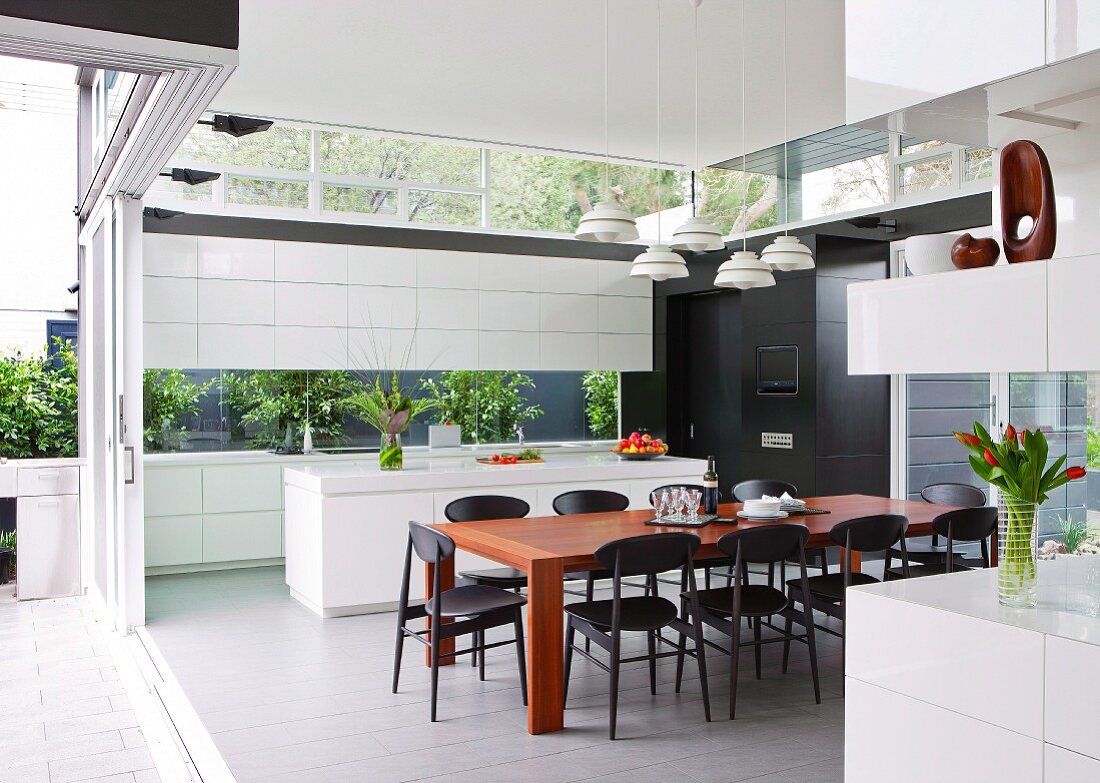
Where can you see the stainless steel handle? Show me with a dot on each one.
(129, 468)
(48, 474)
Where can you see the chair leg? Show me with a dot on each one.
(614, 705)
(680, 662)
(481, 655)
(651, 638)
(824, 562)
(570, 634)
(811, 643)
(589, 592)
(701, 660)
(735, 651)
(706, 577)
(756, 645)
(786, 644)
(473, 645)
(771, 574)
(399, 645)
(435, 670)
(521, 657)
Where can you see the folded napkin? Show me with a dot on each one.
(786, 500)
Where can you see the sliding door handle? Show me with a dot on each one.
(128, 468)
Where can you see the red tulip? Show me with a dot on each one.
(1010, 432)
(966, 439)
(988, 457)
(1075, 472)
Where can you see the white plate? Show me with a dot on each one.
(780, 515)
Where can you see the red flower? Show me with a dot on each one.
(1075, 473)
(966, 439)
(988, 457)
(1010, 432)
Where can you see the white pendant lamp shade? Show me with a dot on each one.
(697, 235)
(659, 263)
(607, 223)
(787, 254)
(744, 270)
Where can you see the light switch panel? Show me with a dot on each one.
(776, 440)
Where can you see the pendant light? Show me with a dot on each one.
(606, 222)
(744, 269)
(697, 233)
(659, 262)
(786, 253)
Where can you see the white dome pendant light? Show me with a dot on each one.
(606, 222)
(697, 233)
(744, 269)
(659, 262)
(786, 253)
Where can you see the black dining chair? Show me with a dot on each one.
(603, 622)
(481, 507)
(825, 593)
(964, 525)
(944, 494)
(471, 609)
(724, 608)
(589, 501)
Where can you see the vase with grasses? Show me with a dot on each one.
(1016, 464)
(390, 408)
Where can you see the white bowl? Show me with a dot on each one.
(927, 254)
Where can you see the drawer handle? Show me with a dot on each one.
(50, 474)
(47, 503)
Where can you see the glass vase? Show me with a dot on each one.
(1017, 551)
(390, 456)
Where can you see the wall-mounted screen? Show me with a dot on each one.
(777, 369)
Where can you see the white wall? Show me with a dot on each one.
(215, 302)
(37, 226)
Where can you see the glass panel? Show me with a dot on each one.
(386, 158)
(911, 144)
(279, 147)
(721, 195)
(119, 85)
(181, 191)
(845, 187)
(550, 193)
(936, 406)
(979, 164)
(267, 192)
(350, 198)
(925, 175)
(227, 410)
(451, 209)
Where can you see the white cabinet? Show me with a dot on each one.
(229, 488)
(247, 536)
(1072, 695)
(173, 491)
(49, 481)
(886, 72)
(49, 545)
(1072, 341)
(172, 541)
(978, 320)
(1064, 766)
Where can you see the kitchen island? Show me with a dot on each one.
(346, 523)
(943, 683)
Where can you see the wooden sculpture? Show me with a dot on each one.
(1027, 190)
(970, 253)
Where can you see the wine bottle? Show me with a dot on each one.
(710, 488)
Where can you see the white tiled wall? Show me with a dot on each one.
(215, 302)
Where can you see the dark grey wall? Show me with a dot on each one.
(208, 22)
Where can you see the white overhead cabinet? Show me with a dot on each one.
(1032, 317)
(219, 302)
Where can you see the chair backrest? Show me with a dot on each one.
(766, 544)
(589, 501)
(875, 533)
(950, 494)
(648, 554)
(753, 489)
(479, 507)
(966, 524)
(430, 545)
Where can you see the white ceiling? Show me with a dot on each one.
(530, 72)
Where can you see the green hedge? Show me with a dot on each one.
(38, 396)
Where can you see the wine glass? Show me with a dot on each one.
(659, 501)
(674, 502)
(693, 498)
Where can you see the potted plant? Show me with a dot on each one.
(1016, 466)
(390, 408)
(7, 556)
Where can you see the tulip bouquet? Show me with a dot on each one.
(1017, 465)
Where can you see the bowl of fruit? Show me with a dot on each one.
(640, 446)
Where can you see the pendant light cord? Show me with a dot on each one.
(658, 122)
(786, 171)
(606, 113)
(695, 99)
(744, 144)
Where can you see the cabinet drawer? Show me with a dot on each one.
(173, 492)
(232, 488)
(34, 482)
(173, 540)
(49, 546)
(249, 536)
(8, 481)
(1072, 695)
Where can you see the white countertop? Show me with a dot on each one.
(433, 474)
(45, 462)
(1062, 593)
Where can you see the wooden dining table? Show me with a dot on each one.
(546, 548)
